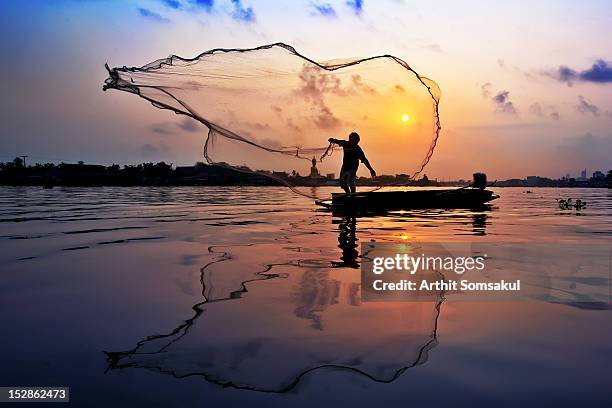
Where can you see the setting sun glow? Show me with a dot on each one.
(405, 118)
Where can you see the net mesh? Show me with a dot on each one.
(271, 110)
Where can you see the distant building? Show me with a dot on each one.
(532, 181)
(281, 174)
(81, 170)
(385, 179)
(331, 176)
(583, 175)
(508, 183)
(403, 178)
(598, 175)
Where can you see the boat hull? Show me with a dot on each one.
(404, 200)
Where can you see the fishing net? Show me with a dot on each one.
(265, 327)
(270, 110)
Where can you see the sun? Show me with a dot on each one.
(405, 118)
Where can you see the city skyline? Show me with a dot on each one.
(96, 174)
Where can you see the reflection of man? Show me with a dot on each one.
(350, 162)
(347, 242)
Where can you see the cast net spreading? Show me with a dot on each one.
(270, 110)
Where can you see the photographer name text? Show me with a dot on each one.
(446, 285)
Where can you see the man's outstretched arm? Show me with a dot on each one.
(336, 141)
(365, 161)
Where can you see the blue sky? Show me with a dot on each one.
(525, 85)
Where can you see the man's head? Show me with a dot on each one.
(354, 137)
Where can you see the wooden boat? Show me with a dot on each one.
(381, 201)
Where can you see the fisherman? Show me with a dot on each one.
(350, 162)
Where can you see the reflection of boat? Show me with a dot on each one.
(402, 200)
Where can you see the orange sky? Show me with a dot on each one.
(505, 108)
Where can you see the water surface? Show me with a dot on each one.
(192, 296)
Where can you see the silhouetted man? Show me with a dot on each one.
(350, 162)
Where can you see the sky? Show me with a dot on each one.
(525, 86)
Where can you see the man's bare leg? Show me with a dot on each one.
(344, 183)
(351, 183)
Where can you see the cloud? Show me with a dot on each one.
(165, 128)
(599, 73)
(356, 6)
(324, 10)
(293, 126)
(565, 74)
(187, 124)
(540, 111)
(503, 104)
(255, 125)
(273, 143)
(326, 119)
(315, 85)
(360, 86)
(586, 108)
(240, 13)
(485, 90)
(588, 149)
(153, 16)
(234, 8)
(536, 109)
(149, 150)
(501, 100)
(175, 4)
(205, 4)
(432, 47)
(513, 68)
(237, 10)
(316, 82)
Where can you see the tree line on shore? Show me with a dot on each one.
(16, 173)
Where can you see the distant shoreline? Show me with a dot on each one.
(44, 185)
(15, 173)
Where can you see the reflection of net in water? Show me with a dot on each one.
(271, 109)
(294, 319)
